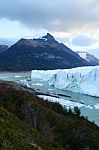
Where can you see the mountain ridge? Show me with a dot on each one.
(42, 53)
(93, 60)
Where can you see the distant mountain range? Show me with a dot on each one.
(42, 53)
(89, 58)
(94, 52)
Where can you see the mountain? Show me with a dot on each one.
(94, 61)
(3, 48)
(30, 123)
(43, 53)
(94, 52)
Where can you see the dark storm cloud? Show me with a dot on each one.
(56, 15)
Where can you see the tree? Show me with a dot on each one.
(77, 111)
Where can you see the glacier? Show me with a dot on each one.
(43, 75)
(82, 79)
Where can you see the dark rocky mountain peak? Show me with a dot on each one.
(49, 37)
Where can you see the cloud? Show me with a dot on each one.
(82, 40)
(53, 15)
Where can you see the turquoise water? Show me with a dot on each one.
(91, 104)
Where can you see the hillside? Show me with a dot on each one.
(30, 123)
(43, 53)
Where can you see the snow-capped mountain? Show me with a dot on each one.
(89, 58)
(94, 52)
(42, 53)
(82, 79)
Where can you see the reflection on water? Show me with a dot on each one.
(91, 104)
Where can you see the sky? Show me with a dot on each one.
(73, 22)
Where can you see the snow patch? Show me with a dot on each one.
(82, 54)
(45, 39)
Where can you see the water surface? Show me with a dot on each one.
(90, 105)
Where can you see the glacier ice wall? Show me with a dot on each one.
(82, 79)
(43, 75)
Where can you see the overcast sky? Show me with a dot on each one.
(74, 22)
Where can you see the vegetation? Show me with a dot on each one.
(29, 123)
